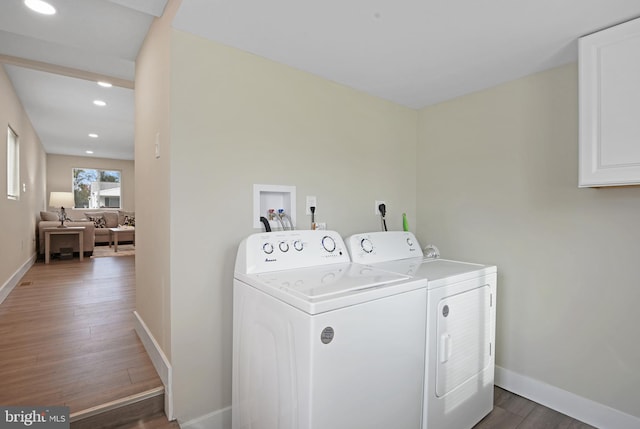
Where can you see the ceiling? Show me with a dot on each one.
(54, 62)
(412, 52)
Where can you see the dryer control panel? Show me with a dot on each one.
(383, 246)
(285, 250)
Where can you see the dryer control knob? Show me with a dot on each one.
(298, 245)
(410, 242)
(366, 245)
(328, 243)
(284, 246)
(267, 248)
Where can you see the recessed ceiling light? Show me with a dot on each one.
(88, 151)
(93, 135)
(99, 103)
(40, 6)
(105, 84)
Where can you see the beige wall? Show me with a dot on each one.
(238, 120)
(60, 178)
(153, 180)
(18, 240)
(497, 182)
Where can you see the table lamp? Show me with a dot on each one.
(61, 199)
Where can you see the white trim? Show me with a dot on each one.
(578, 407)
(159, 360)
(114, 405)
(13, 281)
(220, 419)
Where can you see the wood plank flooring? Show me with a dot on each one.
(67, 336)
(511, 411)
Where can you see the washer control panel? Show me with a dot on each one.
(382, 246)
(284, 250)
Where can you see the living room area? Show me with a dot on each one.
(98, 194)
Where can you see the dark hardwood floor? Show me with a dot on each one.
(67, 336)
(511, 411)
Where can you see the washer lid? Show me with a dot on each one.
(329, 280)
(319, 289)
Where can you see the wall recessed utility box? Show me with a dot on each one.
(266, 197)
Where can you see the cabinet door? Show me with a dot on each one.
(610, 106)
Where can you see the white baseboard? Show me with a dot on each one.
(220, 419)
(159, 360)
(578, 407)
(13, 281)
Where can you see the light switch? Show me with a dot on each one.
(157, 145)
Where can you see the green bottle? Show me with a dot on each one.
(405, 223)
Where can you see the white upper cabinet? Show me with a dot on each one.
(610, 106)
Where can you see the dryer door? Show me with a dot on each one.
(463, 337)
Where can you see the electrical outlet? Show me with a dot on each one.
(321, 225)
(376, 210)
(311, 202)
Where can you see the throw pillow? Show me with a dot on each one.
(111, 218)
(89, 214)
(122, 214)
(98, 221)
(48, 216)
(129, 220)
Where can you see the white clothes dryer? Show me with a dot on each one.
(321, 343)
(460, 342)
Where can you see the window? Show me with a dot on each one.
(94, 189)
(13, 165)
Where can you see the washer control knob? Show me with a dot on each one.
(366, 245)
(328, 243)
(267, 248)
(284, 246)
(297, 245)
(410, 242)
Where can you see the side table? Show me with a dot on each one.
(113, 236)
(78, 230)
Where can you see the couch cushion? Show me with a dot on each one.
(48, 216)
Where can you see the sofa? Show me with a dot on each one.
(103, 220)
(96, 223)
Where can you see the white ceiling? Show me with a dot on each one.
(61, 110)
(413, 52)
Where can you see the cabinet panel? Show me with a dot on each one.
(610, 106)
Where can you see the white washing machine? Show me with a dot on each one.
(461, 313)
(321, 343)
